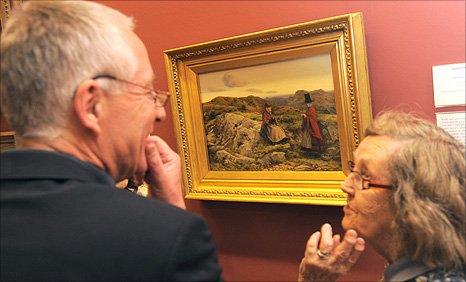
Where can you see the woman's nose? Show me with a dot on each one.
(347, 188)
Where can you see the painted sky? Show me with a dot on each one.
(274, 79)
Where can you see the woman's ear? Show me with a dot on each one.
(87, 105)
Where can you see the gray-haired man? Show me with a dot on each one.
(76, 86)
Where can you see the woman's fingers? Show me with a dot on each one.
(312, 243)
(326, 241)
(350, 248)
(357, 251)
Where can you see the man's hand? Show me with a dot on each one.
(326, 257)
(163, 172)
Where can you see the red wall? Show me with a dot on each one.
(265, 242)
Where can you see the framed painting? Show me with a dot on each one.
(7, 141)
(6, 7)
(7, 138)
(271, 116)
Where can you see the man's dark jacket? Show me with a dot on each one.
(63, 219)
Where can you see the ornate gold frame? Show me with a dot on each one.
(6, 7)
(342, 37)
(7, 141)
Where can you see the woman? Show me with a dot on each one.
(270, 130)
(406, 192)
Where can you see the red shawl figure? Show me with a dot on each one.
(312, 140)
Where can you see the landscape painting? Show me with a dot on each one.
(278, 116)
(271, 116)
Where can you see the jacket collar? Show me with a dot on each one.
(41, 164)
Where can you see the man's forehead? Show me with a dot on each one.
(151, 79)
(144, 71)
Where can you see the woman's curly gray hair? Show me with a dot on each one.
(429, 200)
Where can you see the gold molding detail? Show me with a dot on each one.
(7, 141)
(213, 50)
(6, 7)
(270, 193)
(5, 11)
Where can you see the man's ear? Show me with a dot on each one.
(87, 105)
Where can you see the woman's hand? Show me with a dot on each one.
(326, 257)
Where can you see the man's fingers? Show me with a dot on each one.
(154, 164)
(152, 155)
(161, 144)
(169, 158)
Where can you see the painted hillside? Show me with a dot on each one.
(233, 124)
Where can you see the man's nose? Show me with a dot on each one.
(160, 114)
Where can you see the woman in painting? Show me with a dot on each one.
(405, 197)
(312, 140)
(270, 130)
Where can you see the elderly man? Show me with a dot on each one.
(76, 86)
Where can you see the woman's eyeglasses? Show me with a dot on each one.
(356, 180)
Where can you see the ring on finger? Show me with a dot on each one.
(322, 255)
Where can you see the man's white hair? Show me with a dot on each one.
(48, 49)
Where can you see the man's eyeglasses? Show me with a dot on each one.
(356, 180)
(160, 97)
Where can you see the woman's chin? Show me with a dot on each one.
(346, 223)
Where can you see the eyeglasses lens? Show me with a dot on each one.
(161, 98)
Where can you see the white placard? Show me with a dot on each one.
(454, 123)
(449, 84)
